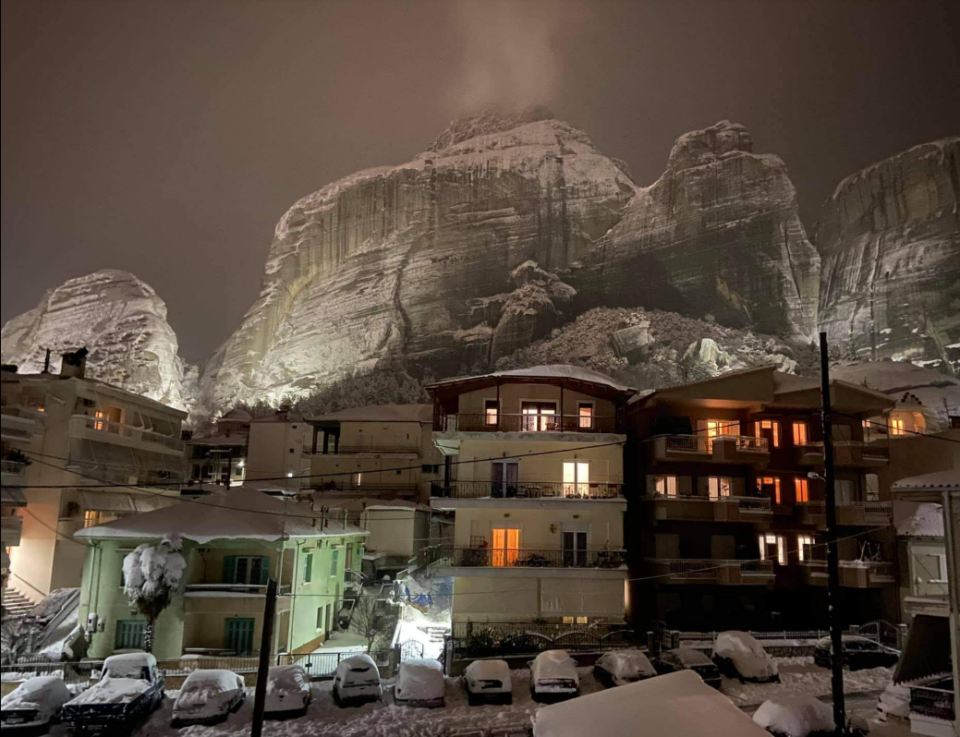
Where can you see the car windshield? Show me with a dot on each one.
(125, 672)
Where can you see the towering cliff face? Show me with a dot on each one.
(441, 262)
(120, 320)
(890, 241)
(718, 234)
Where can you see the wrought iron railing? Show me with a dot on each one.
(520, 558)
(527, 423)
(526, 490)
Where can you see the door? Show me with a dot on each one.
(506, 547)
(574, 549)
(238, 635)
(505, 476)
(576, 478)
(539, 416)
(130, 634)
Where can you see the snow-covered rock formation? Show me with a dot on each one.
(890, 241)
(118, 318)
(718, 234)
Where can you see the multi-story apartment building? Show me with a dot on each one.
(275, 450)
(534, 474)
(728, 525)
(383, 451)
(220, 456)
(66, 433)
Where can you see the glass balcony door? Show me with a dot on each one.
(504, 478)
(506, 547)
(576, 478)
(539, 416)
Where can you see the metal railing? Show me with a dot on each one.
(520, 558)
(12, 468)
(485, 639)
(934, 700)
(138, 434)
(709, 569)
(234, 588)
(527, 423)
(747, 504)
(703, 444)
(878, 571)
(526, 490)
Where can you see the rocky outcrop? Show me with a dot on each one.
(890, 241)
(118, 318)
(416, 263)
(718, 236)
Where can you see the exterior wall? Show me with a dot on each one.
(606, 461)
(513, 395)
(275, 451)
(377, 472)
(498, 598)
(394, 531)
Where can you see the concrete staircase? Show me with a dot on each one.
(15, 604)
(436, 634)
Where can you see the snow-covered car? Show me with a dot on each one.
(554, 677)
(129, 689)
(740, 655)
(859, 653)
(685, 658)
(288, 692)
(488, 682)
(208, 697)
(357, 682)
(675, 705)
(420, 683)
(620, 667)
(803, 716)
(35, 704)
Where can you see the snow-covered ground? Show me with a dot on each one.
(324, 719)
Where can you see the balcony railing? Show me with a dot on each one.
(848, 513)
(526, 423)
(200, 589)
(729, 448)
(137, 434)
(854, 574)
(453, 557)
(934, 700)
(526, 490)
(719, 509)
(378, 447)
(714, 571)
(12, 468)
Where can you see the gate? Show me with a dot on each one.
(411, 650)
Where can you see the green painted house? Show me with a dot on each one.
(233, 542)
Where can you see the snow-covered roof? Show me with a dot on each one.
(924, 519)
(380, 413)
(940, 481)
(351, 504)
(238, 514)
(679, 704)
(554, 371)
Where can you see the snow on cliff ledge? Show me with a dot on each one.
(120, 320)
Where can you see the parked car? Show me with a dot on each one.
(803, 716)
(488, 681)
(288, 692)
(420, 683)
(620, 667)
(859, 653)
(740, 655)
(35, 704)
(357, 682)
(554, 677)
(208, 697)
(129, 689)
(684, 658)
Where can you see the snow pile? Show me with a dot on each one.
(667, 706)
(287, 686)
(919, 520)
(746, 653)
(552, 670)
(795, 717)
(489, 670)
(895, 702)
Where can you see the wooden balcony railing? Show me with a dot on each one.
(454, 557)
(526, 490)
(526, 423)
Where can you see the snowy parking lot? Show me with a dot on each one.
(325, 719)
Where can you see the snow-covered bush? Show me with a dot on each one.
(151, 576)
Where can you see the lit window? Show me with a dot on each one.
(799, 433)
(576, 478)
(773, 547)
(768, 484)
(582, 620)
(801, 488)
(896, 427)
(568, 620)
(586, 416)
(491, 411)
(666, 485)
(763, 428)
(539, 416)
(506, 547)
(100, 421)
(719, 486)
(805, 547)
(91, 518)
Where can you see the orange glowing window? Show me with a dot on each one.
(896, 427)
(768, 484)
(506, 547)
(586, 416)
(100, 422)
(768, 428)
(802, 489)
(800, 436)
(491, 410)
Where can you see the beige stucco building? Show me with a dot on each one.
(534, 474)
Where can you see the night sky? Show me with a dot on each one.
(167, 138)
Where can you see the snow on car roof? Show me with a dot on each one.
(797, 717)
(225, 680)
(286, 676)
(734, 642)
(357, 662)
(484, 670)
(35, 691)
(625, 662)
(680, 704)
(129, 662)
(689, 656)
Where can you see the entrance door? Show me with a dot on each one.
(238, 635)
(505, 475)
(129, 634)
(506, 547)
(574, 549)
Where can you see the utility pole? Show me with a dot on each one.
(263, 668)
(833, 552)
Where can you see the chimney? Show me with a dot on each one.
(74, 365)
(46, 363)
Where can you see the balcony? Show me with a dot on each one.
(849, 514)
(378, 448)
(711, 571)
(527, 423)
(380, 491)
(721, 449)
(449, 557)
(535, 490)
(10, 530)
(12, 473)
(854, 574)
(705, 509)
(846, 454)
(809, 454)
(225, 590)
(93, 428)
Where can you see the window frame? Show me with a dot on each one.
(801, 433)
(487, 412)
(666, 479)
(590, 417)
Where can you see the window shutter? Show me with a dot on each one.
(230, 569)
(264, 571)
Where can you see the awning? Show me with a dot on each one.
(109, 455)
(107, 501)
(927, 651)
(13, 498)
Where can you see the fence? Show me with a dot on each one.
(522, 558)
(526, 490)
(485, 639)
